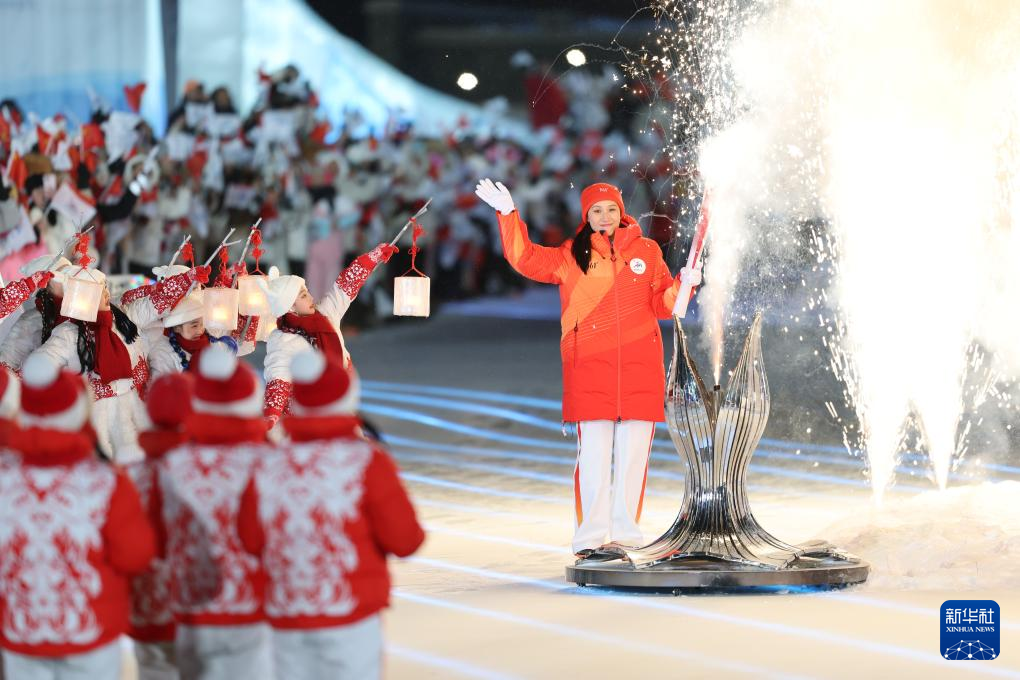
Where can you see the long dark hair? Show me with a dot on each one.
(47, 307)
(86, 344)
(581, 247)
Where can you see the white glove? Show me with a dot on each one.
(496, 195)
(140, 184)
(691, 276)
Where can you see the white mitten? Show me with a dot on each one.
(496, 195)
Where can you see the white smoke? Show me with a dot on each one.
(900, 122)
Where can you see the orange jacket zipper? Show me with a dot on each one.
(619, 338)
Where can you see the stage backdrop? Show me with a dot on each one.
(225, 42)
(52, 51)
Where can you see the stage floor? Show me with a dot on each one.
(470, 407)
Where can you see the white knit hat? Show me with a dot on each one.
(167, 270)
(323, 387)
(226, 387)
(52, 398)
(281, 291)
(39, 264)
(77, 272)
(188, 309)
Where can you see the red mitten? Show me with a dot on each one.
(382, 252)
(202, 273)
(40, 280)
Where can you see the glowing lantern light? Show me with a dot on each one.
(253, 300)
(219, 309)
(81, 298)
(411, 296)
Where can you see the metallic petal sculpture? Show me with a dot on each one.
(715, 540)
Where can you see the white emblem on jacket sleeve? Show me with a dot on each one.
(638, 266)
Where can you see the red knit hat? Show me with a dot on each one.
(10, 394)
(168, 402)
(323, 387)
(600, 192)
(226, 387)
(52, 398)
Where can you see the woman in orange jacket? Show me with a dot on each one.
(614, 285)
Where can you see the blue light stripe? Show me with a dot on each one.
(405, 442)
(486, 491)
(448, 425)
(554, 405)
(662, 442)
(471, 509)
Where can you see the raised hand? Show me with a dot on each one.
(496, 195)
(382, 252)
(41, 279)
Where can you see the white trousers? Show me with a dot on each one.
(103, 663)
(117, 421)
(609, 481)
(353, 651)
(156, 660)
(224, 652)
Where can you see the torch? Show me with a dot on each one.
(693, 260)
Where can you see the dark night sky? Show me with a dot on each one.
(347, 15)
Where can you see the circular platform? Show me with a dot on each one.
(708, 573)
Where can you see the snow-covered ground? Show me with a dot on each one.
(469, 406)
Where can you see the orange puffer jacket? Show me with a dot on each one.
(610, 343)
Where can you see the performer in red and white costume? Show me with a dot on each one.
(35, 324)
(303, 324)
(111, 354)
(217, 593)
(154, 330)
(184, 337)
(72, 530)
(168, 405)
(323, 513)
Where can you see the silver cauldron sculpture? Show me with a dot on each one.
(715, 541)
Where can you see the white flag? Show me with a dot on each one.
(72, 205)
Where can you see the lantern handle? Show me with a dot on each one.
(223, 244)
(68, 242)
(418, 214)
(179, 249)
(244, 253)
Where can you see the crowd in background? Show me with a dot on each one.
(325, 193)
